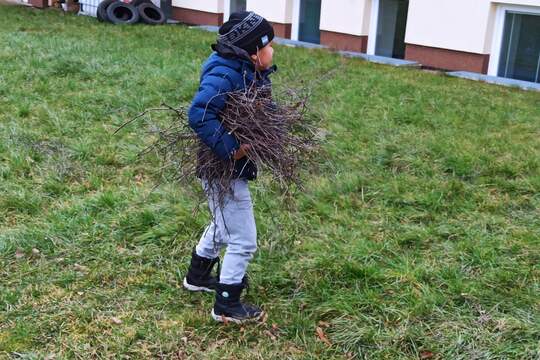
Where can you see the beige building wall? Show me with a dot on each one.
(212, 6)
(455, 24)
(346, 16)
(278, 11)
(345, 24)
(463, 25)
(198, 12)
(454, 34)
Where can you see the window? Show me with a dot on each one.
(391, 25)
(520, 49)
(238, 5)
(231, 6)
(309, 21)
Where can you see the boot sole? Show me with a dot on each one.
(224, 319)
(196, 288)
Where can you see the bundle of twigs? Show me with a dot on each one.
(281, 133)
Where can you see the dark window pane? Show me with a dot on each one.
(401, 26)
(310, 18)
(238, 5)
(391, 26)
(520, 52)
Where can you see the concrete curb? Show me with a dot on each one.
(524, 85)
(380, 59)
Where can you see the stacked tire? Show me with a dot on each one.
(119, 12)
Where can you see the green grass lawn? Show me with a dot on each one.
(418, 238)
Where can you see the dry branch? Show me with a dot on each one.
(280, 130)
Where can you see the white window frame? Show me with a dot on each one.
(373, 22)
(226, 10)
(295, 26)
(498, 32)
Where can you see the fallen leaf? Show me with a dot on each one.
(80, 267)
(217, 344)
(180, 355)
(138, 179)
(270, 335)
(19, 253)
(322, 336)
(426, 355)
(293, 349)
(116, 321)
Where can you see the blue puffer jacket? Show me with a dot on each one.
(228, 69)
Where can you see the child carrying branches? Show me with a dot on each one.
(242, 58)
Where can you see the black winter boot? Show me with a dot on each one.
(199, 276)
(228, 306)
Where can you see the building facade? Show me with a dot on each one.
(500, 38)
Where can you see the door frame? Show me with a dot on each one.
(373, 23)
(295, 26)
(498, 32)
(226, 10)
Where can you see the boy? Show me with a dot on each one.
(242, 57)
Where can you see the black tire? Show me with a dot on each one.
(102, 10)
(151, 14)
(122, 13)
(139, 2)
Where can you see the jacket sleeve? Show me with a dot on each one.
(204, 118)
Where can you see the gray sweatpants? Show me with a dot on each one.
(233, 227)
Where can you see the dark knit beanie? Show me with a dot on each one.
(246, 30)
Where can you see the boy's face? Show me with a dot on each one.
(263, 58)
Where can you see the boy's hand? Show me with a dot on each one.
(240, 153)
